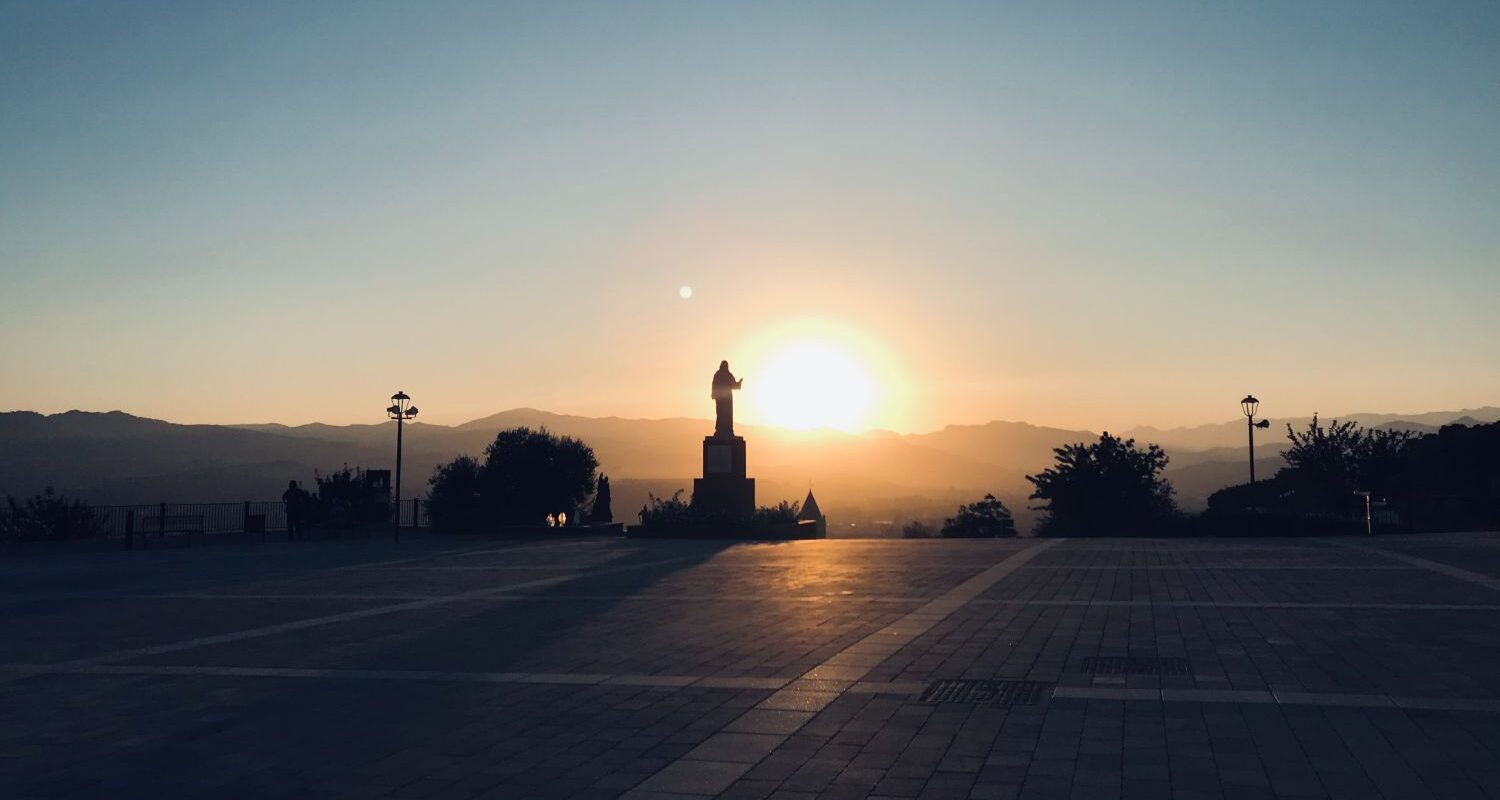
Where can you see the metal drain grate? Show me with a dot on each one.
(985, 693)
(1132, 665)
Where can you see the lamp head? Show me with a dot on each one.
(1250, 405)
(400, 406)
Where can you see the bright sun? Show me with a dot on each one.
(812, 383)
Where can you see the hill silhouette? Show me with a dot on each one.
(114, 457)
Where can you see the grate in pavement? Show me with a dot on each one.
(1135, 665)
(985, 693)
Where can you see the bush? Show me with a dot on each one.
(916, 529)
(346, 497)
(986, 519)
(670, 511)
(48, 517)
(526, 475)
(1109, 488)
(783, 513)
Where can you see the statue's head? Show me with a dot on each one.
(723, 365)
(291, 484)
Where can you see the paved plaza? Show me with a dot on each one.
(589, 668)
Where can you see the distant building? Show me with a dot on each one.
(811, 513)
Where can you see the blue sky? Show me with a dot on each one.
(1090, 215)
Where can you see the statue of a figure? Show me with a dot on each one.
(723, 394)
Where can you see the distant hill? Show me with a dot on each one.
(1232, 434)
(113, 457)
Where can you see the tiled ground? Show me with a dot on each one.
(445, 667)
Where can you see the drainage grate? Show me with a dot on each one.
(1131, 665)
(985, 693)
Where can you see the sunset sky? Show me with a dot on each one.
(1082, 215)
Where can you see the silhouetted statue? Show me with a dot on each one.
(723, 394)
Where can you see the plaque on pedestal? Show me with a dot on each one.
(724, 490)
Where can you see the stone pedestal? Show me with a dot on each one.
(724, 490)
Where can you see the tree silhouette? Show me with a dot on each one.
(454, 501)
(988, 518)
(1110, 487)
(601, 513)
(1328, 464)
(526, 475)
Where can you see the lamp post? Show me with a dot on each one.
(1250, 405)
(401, 411)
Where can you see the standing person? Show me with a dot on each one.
(295, 500)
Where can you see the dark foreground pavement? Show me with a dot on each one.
(459, 668)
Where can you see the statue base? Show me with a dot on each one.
(724, 490)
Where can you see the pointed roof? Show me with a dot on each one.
(810, 508)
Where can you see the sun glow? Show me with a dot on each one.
(814, 382)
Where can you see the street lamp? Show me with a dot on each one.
(401, 411)
(1250, 405)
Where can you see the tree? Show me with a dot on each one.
(986, 519)
(526, 475)
(601, 513)
(454, 501)
(529, 474)
(1328, 464)
(1110, 487)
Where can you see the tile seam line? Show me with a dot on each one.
(642, 680)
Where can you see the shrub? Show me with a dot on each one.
(988, 518)
(669, 511)
(783, 513)
(916, 529)
(346, 497)
(48, 517)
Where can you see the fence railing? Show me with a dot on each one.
(207, 519)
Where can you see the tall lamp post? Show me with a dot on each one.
(401, 411)
(1249, 405)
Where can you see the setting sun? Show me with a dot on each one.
(813, 383)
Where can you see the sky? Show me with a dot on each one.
(1073, 214)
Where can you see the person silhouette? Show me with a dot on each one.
(294, 499)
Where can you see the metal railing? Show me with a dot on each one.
(209, 519)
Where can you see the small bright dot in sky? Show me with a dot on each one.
(685, 292)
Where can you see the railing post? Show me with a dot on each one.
(130, 529)
(416, 511)
(161, 521)
(245, 518)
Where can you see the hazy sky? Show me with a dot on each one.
(1088, 215)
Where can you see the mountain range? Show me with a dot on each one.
(872, 479)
